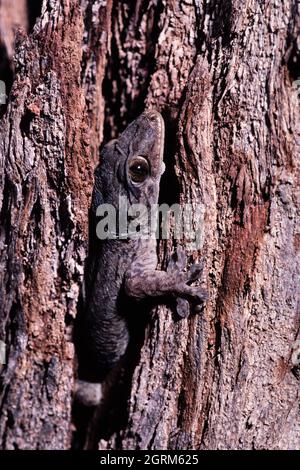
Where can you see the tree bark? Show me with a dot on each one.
(49, 137)
(223, 76)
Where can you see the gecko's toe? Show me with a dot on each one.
(198, 308)
(172, 264)
(199, 300)
(182, 308)
(200, 295)
(181, 258)
(177, 261)
(195, 271)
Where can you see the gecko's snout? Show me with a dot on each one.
(153, 115)
(155, 119)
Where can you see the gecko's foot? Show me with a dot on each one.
(193, 297)
(197, 294)
(185, 307)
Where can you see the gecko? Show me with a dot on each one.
(131, 167)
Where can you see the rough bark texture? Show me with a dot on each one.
(222, 75)
(48, 138)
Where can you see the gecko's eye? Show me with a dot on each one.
(138, 169)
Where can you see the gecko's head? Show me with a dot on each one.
(134, 161)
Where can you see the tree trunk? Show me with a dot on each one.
(49, 136)
(224, 76)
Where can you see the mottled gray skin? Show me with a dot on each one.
(129, 266)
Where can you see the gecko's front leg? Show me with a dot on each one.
(142, 280)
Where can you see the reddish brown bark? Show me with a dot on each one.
(222, 75)
(47, 159)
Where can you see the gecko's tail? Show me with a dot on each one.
(92, 404)
(88, 393)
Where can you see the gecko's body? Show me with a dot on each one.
(131, 167)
